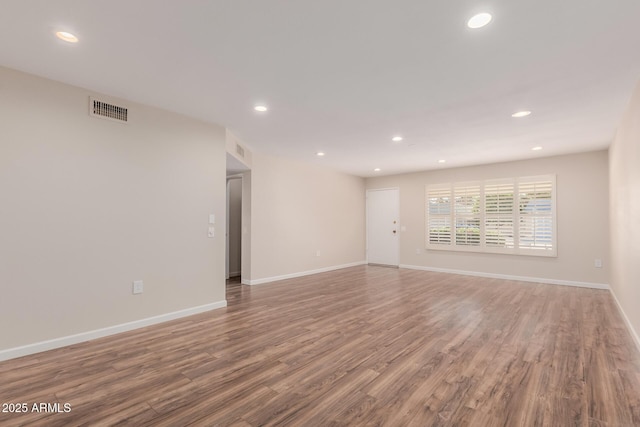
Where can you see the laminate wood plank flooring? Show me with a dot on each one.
(362, 346)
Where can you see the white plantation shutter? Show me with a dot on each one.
(439, 215)
(498, 214)
(467, 214)
(514, 215)
(536, 214)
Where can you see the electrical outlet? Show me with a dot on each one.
(138, 286)
(598, 263)
(211, 232)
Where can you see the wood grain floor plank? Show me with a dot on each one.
(367, 345)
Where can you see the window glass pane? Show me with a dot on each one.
(468, 232)
(467, 200)
(536, 232)
(498, 199)
(535, 197)
(439, 204)
(439, 231)
(499, 232)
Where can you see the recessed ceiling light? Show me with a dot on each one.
(319, 154)
(68, 37)
(479, 20)
(396, 139)
(260, 108)
(441, 161)
(376, 170)
(536, 148)
(521, 114)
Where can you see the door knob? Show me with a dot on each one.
(394, 231)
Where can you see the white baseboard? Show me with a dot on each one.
(302, 273)
(633, 332)
(38, 347)
(510, 277)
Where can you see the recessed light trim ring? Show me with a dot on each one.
(519, 114)
(66, 36)
(479, 20)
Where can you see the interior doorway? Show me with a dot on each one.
(238, 221)
(233, 233)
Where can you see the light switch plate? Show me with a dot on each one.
(211, 232)
(212, 218)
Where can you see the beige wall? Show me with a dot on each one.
(245, 241)
(89, 205)
(624, 167)
(582, 199)
(299, 209)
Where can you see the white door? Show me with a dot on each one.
(383, 228)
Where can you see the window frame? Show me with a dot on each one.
(516, 216)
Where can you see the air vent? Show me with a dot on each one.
(239, 150)
(106, 110)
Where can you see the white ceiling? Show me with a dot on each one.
(344, 76)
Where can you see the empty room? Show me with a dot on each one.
(345, 213)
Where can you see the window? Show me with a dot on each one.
(513, 216)
(536, 219)
(498, 214)
(439, 214)
(467, 214)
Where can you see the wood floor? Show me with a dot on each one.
(359, 346)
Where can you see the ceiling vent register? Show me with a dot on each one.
(239, 150)
(108, 111)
